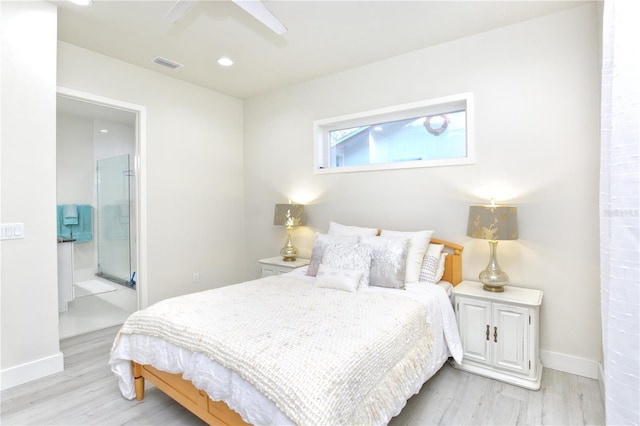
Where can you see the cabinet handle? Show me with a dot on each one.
(487, 331)
(495, 334)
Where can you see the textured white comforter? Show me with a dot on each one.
(273, 378)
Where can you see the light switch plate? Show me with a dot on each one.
(12, 231)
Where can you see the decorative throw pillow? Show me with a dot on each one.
(440, 272)
(320, 245)
(431, 263)
(351, 257)
(388, 261)
(338, 229)
(337, 279)
(417, 248)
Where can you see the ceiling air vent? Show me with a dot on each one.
(166, 62)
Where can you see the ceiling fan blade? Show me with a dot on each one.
(179, 9)
(259, 11)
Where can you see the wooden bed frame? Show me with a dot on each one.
(219, 413)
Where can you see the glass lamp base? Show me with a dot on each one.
(289, 253)
(494, 280)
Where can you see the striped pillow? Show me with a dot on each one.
(431, 264)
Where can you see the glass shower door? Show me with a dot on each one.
(113, 201)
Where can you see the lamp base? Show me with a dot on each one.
(493, 278)
(493, 289)
(289, 254)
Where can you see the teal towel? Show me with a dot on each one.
(82, 231)
(64, 231)
(70, 212)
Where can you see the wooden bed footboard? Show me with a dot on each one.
(186, 394)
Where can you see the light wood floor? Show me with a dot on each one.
(86, 393)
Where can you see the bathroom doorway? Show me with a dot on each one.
(98, 165)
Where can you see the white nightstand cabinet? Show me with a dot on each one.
(500, 333)
(277, 266)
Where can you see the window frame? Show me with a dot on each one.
(443, 105)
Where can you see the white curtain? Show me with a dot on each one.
(620, 211)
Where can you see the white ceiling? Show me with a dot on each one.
(323, 37)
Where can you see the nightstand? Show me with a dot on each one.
(500, 333)
(277, 266)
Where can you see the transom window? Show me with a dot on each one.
(429, 133)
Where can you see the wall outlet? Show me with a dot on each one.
(196, 278)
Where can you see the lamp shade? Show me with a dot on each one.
(493, 222)
(289, 215)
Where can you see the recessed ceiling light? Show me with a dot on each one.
(104, 131)
(225, 62)
(82, 2)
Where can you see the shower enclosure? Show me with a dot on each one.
(113, 192)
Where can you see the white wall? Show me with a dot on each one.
(120, 140)
(194, 170)
(28, 288)
(536, 88)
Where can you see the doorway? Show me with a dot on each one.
(99, 147)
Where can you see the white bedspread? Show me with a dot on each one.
(240, 391)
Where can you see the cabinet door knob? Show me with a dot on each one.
(495, 334)
(487, 331)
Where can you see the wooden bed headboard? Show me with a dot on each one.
(453, 261)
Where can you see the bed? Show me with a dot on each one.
(224, 355)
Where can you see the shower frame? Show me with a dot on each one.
(114, 219)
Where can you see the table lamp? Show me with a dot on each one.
(289, 215)
(493, 223)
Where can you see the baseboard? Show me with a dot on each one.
(24, 373)
(571, 364)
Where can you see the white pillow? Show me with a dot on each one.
(320, 245)
(338, 229)
(388, 261)
(356, 258)
(440, 272)
(417, 248)
(430, 264)
(338, 279)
